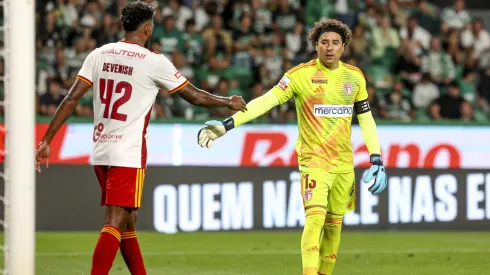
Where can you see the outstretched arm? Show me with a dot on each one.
(202, 98)
(166, 75)
(279, 94)
(255, 108)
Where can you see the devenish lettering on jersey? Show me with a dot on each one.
(124, 52)
(117, 68)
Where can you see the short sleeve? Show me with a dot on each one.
(285, 89)
(86, 72)
(167, 76)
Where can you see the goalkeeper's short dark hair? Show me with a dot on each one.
(329, 25)
(134, 14)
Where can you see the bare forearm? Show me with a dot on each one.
(62, 114)
(202, 98)
(205, 99)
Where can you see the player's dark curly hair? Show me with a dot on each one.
(329, 25)
(134, 14)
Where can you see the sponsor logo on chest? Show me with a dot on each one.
(322, 110)
(319, 78)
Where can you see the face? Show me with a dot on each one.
(459, 5)
(477, 26)
(453, 91)
(435, 44)
(329, 48)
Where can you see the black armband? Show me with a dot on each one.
(362, 107)
(375, 159)
(229, 123)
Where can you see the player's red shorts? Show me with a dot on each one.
(120, 186)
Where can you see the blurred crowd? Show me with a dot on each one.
(421, 62)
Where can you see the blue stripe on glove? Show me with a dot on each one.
(380, 183)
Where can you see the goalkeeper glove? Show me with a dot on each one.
(377, 171)
(213, 130)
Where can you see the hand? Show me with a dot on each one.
(237, 103)
(377, 171)
(42, 152)
(213, 130)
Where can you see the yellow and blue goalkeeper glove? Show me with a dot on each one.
(214, 129)
(377, 171)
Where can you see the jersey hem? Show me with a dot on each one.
(115, 164)
(179, 87)
(85, 79)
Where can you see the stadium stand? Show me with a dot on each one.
(423, 61)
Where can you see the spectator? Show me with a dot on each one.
(218, 42)
(284, 18)
(467, 86)
(452, 45)
(477, 38)
(77, 54)
(49, 101)
(61, 71)
(172, 39)
(244, 41)
(262, 16)
(456, 16)
(451, 106)
(358, 47)
(396, 105)
(384, 37)
(193, 43)
(438, 64)
(296, 44)
(373, 101)
(221, 90)
(415, 32)
(180, 12)
(426, 17)
(425, 92)
(409, 62)
(398, 16)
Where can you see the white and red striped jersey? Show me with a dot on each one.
(126, 79)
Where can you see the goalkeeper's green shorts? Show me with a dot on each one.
(336, 192)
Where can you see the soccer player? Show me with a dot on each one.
(126, 78)
(327, 92)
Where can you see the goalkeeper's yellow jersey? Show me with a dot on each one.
(324, 102)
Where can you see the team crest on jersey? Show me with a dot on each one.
(177, 73)
(319, 78)
(283, 83)
(308, 195)
(348, 88)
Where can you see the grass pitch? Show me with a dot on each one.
(273, 252)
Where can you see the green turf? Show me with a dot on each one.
(233, 253)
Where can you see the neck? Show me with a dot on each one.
(134, 39)
(333, 66)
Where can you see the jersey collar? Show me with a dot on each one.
(327, 70)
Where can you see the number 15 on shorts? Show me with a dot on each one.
(308, 185)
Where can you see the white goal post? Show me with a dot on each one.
(19, 170)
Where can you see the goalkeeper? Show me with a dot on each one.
(327, 92)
